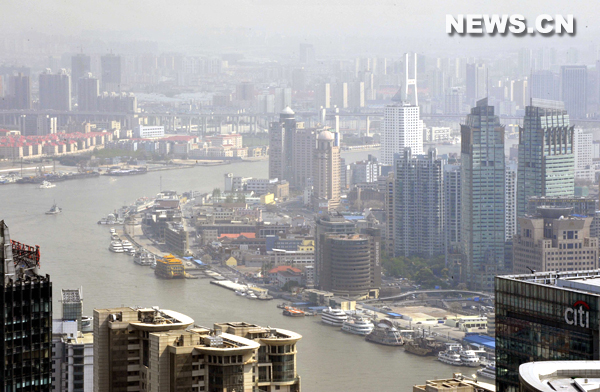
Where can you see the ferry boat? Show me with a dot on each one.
(488, 372)
(115, 237)
(385, 333)
(54, 210)
(292, 312)
(169, 267)
(115, 246)
(127, 247)
(469, 358)
(450, 357)
(335, 317)
(358, 326)
(251, 295)
(144, 258)
(241, 293)
(46, 185)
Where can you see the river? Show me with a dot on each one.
(74, 251)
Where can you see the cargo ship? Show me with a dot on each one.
(169, 267)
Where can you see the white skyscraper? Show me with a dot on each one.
(583, 146)
(402, 128)
(510, 209)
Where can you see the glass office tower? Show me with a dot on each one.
(545, 316)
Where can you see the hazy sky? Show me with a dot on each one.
(420, 21)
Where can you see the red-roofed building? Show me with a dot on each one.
(235, 236)
(283, 274)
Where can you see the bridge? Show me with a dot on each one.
(437, 292)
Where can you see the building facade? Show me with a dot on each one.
(511, 201)
(25, 319)
(55, 90)
(418, 204)
(583, 151)
(546, 159)
(401, 128)
(328, 223)
(326, 172)
(281, 142)
(574, 89)
(483, 192)
(545, 316)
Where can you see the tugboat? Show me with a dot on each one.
(46, 185)
(54, 210)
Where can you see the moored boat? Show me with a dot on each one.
(488, 372)
(385, 333)
(292, 312)
(335, 317)
(358, 326)
(46, 185)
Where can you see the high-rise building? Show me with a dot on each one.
(452, 218)
(307, 54)
(476, 82)
(25, 319)
(453, 101)
(20, 92)
(356, 95)
(88, 91)
(386, 186)
(111, 72)
(525, 61)
(519, 92)
(282, 99)
(328, 223)
(323, 95)
(510, 208)
(574, 89)
(305, 140)
(142, 349)
(340, 95)
(483, 181)
(244, 91)
(545, 85)
(418, 204)
(281, 142)
(80, 66)
(402, 128)
(366, 171)
(546, 159)
(547, 240)
(326, 172)
(351, 264)
(38, 125)
(544, 317)
(55, 90)
(583, 150)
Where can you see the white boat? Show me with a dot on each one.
(115, 237)
(54, 210)
(113, 231)
(335, 317)
(488, 372)
(469, 358)
(46, 185)
(240, 293)
(450, 357)
(115, 246)
(144, 257)
(358, 326)
(130, 252)
(251, 295)
(127, 246)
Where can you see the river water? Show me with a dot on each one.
(75, 253)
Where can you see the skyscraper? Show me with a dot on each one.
(452, 218)
(111, 72)
(418, 204)
(88, 91)
(326, 172)
(483, 182)
(545, 85)
(55, 90)
(582, 149)
(476, 82)
(80, 66)
(25, 319)
(305, 140)
(281, 141)
(511, 200)
(574, 89)
(546, 159)
(402, 128)
(20, 92)
(307, 54)
(325, 224)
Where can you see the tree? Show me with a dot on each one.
(216, 193)
(289, 285)
(241, 198)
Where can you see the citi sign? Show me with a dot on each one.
(578, 315)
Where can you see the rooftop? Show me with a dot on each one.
(582, 281)
(565, 376)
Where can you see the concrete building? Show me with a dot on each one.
(401, 128)
(80, 66)
(326, 172)
(510, 209)
(351, 264)
(583, 151)
(55, 90)
(545, 85)
(546, 158)
(365, 171)
(554, 241)
(88, 90)
(25, 319)
(20, 92)
(323, 96)
(483, 192)
(418, 204)
(574, 88)
(149, 131)
(281, 141)
(328, 223)
(545, 316)
(305, 140)
(38, 125)
(452, 186)
(476, 82)
(458, 383)
(111, 72)
(141, 349)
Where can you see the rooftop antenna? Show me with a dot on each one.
(532, 270)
